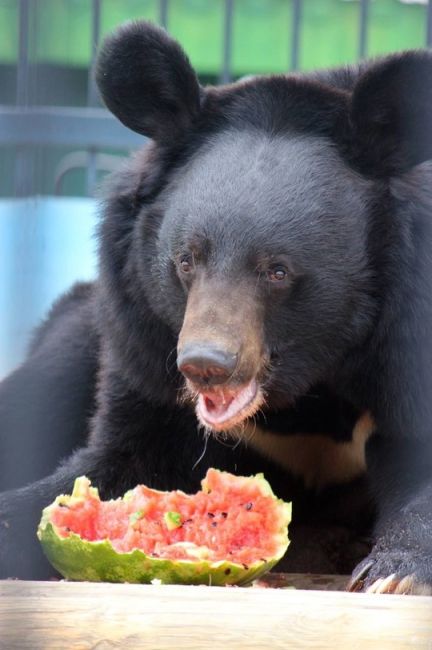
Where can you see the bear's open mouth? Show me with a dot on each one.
(226, 407)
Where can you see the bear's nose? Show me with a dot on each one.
(205, 364)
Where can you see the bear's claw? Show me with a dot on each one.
(391, 584)
(358, 579)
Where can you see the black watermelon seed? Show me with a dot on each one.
(224, 515)
(210, 514)
(248, 506)
(214, 524)
(245, 566)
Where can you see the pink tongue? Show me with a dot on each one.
(218, 406)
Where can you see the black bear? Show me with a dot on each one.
(264, 303)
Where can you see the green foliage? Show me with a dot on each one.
(262, 31)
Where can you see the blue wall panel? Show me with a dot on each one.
(46, 244)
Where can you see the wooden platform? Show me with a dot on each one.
(85, 616)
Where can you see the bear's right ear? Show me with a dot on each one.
(146, 80)
(391, 113)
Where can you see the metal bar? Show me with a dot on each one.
(22, 86)
(363, 27)
(78, 160)
(163, 13)
(23, 176)
(59, 126)
(92, 94)
(295, 33)
(23, 172)
(429, 24)
(225, 76)
(91, 171)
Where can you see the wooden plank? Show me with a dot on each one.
(84, 616)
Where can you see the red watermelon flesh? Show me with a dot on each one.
(233, 518)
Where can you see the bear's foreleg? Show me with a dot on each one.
(401, 560)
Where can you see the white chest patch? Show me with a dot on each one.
(316, 458)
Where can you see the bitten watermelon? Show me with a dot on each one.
(231, 532)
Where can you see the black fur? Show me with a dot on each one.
(320, 170)
(146, 80)
(34, 435)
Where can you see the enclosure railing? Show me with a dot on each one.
(24, 126)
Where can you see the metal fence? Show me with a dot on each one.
(25, 127)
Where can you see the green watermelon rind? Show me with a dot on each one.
(98, 561)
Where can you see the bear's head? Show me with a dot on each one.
(258, 223)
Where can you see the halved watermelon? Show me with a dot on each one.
(231, 532)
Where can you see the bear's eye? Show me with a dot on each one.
(186, 264)
(277, 273)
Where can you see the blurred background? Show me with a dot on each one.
(57, 142)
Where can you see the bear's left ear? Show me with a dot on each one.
(146, 80)
(391, 114)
